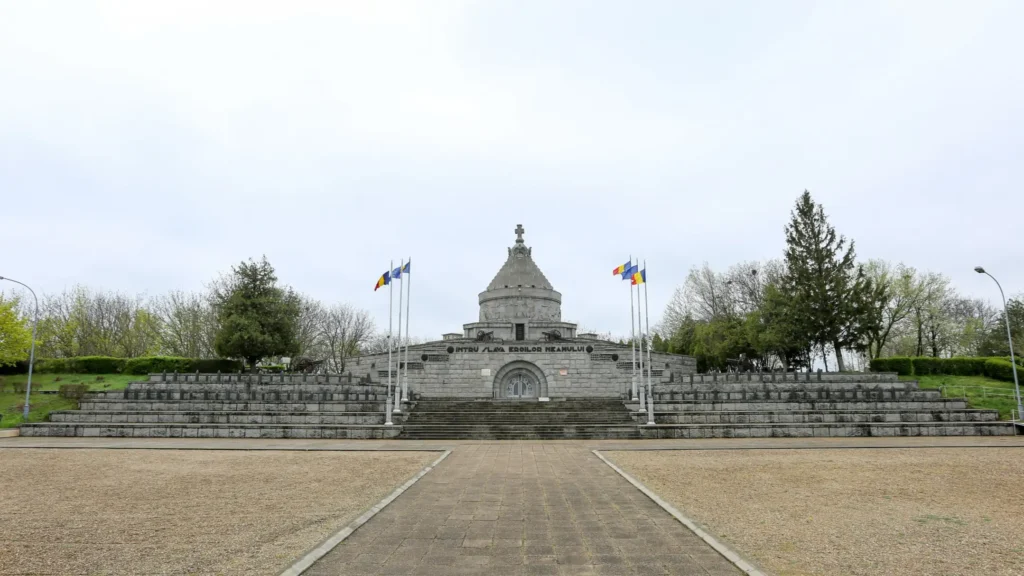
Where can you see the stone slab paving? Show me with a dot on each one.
(523, 509)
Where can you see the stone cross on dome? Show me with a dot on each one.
(519, 233)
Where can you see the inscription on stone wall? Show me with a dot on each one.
(519, 349)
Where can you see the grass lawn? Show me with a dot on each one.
(40, 405)
(996, 395)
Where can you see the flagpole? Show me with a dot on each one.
(408, 299)
(639, 323)
(391, 305)
(401, 282)
(632, 328)
(647, 315)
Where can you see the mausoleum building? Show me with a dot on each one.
(520, 348)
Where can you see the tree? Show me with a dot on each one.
(829, 291)
(343, 330)
(995, 342)
(257, 318)
(15, 333)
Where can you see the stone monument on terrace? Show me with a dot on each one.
(519, 347)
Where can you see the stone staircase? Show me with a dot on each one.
(229, 406)
(802, 405)
(559, 419)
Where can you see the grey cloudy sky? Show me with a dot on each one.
(148, 146)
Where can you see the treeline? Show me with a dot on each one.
(819, 302)
(244, 315)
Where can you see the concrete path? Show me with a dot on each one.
(518, 508)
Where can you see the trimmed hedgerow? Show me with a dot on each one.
(155, 364)
(996, 368)
(1000, 369)
(900, 365)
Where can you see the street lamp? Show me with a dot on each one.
(1009, 337)
(32, 348)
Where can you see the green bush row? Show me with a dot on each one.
(110, 365)
(997, 368)
(155, 364)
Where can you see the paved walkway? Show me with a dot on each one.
(527, 509)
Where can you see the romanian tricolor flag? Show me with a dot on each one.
(639, 277)
(383, 281)
(621, 269)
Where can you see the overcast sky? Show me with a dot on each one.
(148, 146)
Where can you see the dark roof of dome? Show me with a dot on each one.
(519, 269)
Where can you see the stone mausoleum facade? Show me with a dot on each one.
(519, 348)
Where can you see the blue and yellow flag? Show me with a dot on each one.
(639, 277)
(405, 268)
(384, 280)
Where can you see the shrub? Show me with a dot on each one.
(924, 366)
(19, 387)
(1000, 369)
(95, 365)
(19, 367)
(965, 366)
(900, 365)
(272, 368)
(157, 364)
(51, 366)
(72, 391)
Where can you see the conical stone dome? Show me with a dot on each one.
(520, 291)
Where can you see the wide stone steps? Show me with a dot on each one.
(221, 417)
(785, 405)
(519, 420)
(169, 430)
(818, 416)
(119, 405)
(793, 395)
(806, 430)
(499, 431)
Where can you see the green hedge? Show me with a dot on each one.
(997, 368)
(109, 365)
(900, 365)
(1001, 370)
(156, 364)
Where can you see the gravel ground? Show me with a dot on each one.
(182, 512)
(942, 511)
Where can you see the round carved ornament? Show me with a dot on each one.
(451, 350)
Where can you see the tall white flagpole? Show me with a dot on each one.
(632, 327)
(391, 305)
(640, 344)
(408, 298)
(647, 316)
(401, 282)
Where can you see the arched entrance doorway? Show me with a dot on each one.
(520, 380)
(520, 384)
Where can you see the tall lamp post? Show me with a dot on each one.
(32, 348)
(1009, 337)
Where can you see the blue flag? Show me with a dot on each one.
(406, 267)
(396, 273)
(628, 274)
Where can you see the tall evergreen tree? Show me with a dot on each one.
(830, 294)
(257, 318)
